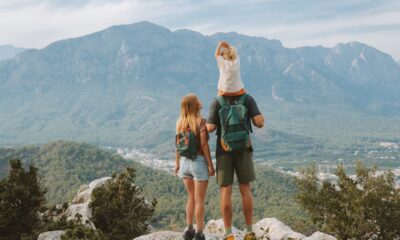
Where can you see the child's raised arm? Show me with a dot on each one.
(220, 45)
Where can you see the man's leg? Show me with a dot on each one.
(226, 205)
(244, 168)
(247, 202)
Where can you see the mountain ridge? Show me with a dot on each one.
(100, 87)
(9, 51)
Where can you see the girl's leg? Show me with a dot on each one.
(200, 189)
(190, 204)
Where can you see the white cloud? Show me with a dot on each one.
(36, 25)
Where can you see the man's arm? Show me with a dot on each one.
(213, 116)
(257, 120)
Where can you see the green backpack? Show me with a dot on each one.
(186, 144)
(235, 130)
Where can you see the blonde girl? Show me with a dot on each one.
(194, 172)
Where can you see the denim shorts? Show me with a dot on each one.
(196, 169)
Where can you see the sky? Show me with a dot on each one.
(36, 23)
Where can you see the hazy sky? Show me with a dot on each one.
(36, 23)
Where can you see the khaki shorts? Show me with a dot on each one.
(240, 163)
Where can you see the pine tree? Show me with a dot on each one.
(366, 207)
(119, 208)
(21, 197)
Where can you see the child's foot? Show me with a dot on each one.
(250, 236)
(229, 237)
(189, 234)
(199, 236)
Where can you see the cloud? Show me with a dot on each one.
(36, 23)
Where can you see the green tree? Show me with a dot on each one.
(119, 208)
(78, 231)
(364, 207)
(21, 197)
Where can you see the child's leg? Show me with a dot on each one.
(228, 94)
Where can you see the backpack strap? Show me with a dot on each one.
(221, 100)
(243, 99)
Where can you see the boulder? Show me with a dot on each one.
(215, 228)
(52, 235)
(320, 236)
(163, 235)
(84, 210)
(275, 230)
(85, 191)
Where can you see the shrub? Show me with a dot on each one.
(364, 207)
(21, 197)
(119, 208)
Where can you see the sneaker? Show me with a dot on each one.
(199, 236)
(229, 237)
(188, 234)
(250, 236)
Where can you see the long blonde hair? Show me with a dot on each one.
(229, 53)
(190, 114)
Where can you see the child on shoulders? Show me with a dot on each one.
(229, 82)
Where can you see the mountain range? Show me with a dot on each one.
(122, 86)
(9, 51)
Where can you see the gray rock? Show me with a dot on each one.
(82, 209)
(275, 230)
(85, 191)
(320, 236)
(216, 227)
(52, 235)
(164, 235)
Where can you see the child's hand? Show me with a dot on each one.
(211, 171)
(176, 172)
(223, 44)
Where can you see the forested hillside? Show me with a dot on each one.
(64, 166)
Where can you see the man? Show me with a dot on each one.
(239, 162)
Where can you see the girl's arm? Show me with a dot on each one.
(206, 149)
(220, 45)
(177, 163)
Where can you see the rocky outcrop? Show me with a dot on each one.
(320, 236)
(85, 191)
(80, 204)
(53, 235)
(265, 229)
(167, 235)
(275, 230)
(79, 207)
(83, 210)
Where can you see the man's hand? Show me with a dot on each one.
(211, 127)
(258, 121)
(211, 171)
